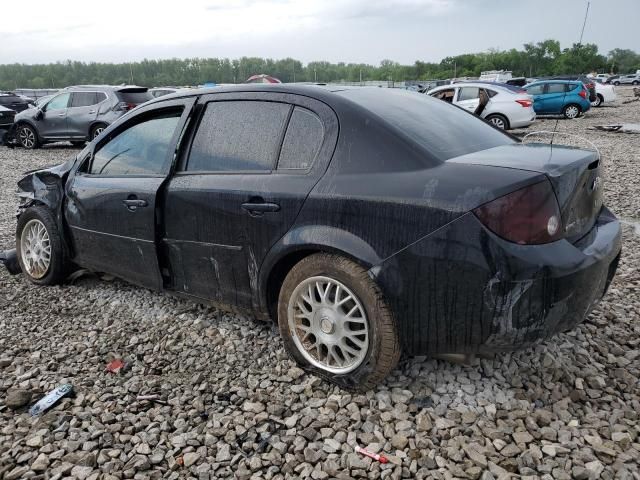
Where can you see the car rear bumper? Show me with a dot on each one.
(462, 289)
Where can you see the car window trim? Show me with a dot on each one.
(325, 113)
(176, 140)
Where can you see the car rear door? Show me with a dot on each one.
(555, 96)
(112, 198)
(252, 161)
(53, 122)
(83, 110)
(468, 98)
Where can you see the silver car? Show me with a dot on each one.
(76, 114)
(507, 108)
(632, 79)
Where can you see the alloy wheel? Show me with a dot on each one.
(97, 132)
(572, 111)
(498, 122)
(27, 137)
(35, 248)
(329, 325)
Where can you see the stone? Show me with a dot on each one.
(17, 398)
(399, 441)
(190, 459)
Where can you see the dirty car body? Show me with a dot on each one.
(448, 225)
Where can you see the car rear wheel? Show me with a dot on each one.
(499, 121)
(598, 101)
(28, 137)
(39, 247)
(571, 111)
(635, 82)
(616, 83)
(97, 130)
(335, 322)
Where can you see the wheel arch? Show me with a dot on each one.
(300, 243)
(30, 123)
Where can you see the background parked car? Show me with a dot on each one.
(14, 102)
(161, 91)
(551, 97)
(605, 93)
(76, 114)
(631, 79)
(507, 108)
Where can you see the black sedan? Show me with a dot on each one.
(365, 221)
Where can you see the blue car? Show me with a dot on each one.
(566, 97)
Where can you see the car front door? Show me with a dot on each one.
(251, 163)
(82, 112)
(112, 198)
(468, 98)
(53, 121)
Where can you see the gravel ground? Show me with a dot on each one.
(568, 408)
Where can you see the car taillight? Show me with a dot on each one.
(525, 103)
(583, 93)
(529, 216)
(125, 106)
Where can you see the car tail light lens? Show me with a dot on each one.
(583, 93)
(525, 103)
(125, 106)
(529, 216)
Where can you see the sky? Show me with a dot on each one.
(366, 31)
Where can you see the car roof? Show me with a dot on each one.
(115, 88)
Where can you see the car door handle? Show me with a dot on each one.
(92, 111)
(260, 207)
(61, 114)
(133, 204)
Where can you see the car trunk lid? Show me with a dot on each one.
(574, 174)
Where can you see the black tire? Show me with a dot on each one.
(635, 82)
(598, 101)
(59, 264)
(97, 130)
(383, 350)
(616, 83)
(499, 121)
(568, 110)
(27, 136)
(78, 143)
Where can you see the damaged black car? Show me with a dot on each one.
(366, 222)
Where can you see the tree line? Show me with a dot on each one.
(533, 60)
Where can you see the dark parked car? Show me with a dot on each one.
(76, 114)
(6, 118)
(14, 102)
(365, 221)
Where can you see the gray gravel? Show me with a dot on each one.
(568, 408)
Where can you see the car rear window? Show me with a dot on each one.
(136, 97)
(443, 130)
(238, 136)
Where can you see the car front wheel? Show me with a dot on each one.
(571, 111)
(28, 137)
(335, 322)
(39, 246)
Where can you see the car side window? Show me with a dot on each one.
(536, 89)
(468, 93)
(556, 88)
(140, 149)
(238, 136)
(302, 141)
(446, 95)
(83, 99)
(490, 93)
(59, 102)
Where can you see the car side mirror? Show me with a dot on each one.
(39, 114)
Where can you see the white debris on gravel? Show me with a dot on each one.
(568, 408)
